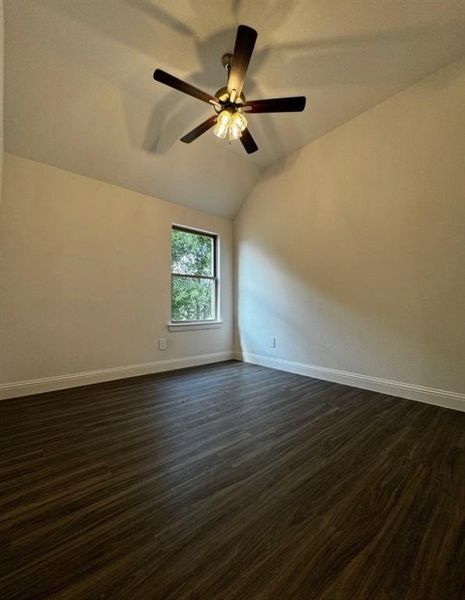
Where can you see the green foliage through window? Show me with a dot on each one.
(193, 288)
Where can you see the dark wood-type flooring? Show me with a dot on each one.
(230, 481)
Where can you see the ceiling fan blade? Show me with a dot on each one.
(243, 48)
(248, 142)
(202, 128)
(293, 104)
(182, 86)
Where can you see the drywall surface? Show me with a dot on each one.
(2, 71)
(85, 276)
(351, 253)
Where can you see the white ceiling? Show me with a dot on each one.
(79, 92)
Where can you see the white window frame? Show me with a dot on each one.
(216, 321)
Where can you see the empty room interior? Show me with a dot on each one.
(232, 299)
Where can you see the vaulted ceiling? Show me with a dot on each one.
(79, 92)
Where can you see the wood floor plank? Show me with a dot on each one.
(230, 481)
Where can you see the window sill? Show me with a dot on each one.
(195, 326)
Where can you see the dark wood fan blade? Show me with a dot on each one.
(182, 86)
(293, 104)
(202, 128)
(243, 48)
(248, 142)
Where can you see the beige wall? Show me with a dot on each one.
(352, 252)
(2, 70)
(85, 275)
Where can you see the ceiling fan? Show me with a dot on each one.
(229, 102)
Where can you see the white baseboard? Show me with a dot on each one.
(59, 382)
(410, 391)
(447, 399)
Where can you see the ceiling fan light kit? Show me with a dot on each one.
(229, 102)
(230, 124)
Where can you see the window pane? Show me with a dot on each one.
(191, 253)
(192, 299)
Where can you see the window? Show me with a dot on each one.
(194, 278)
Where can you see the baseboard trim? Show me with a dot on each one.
(17, 389)
(438, 397)
(444, 398)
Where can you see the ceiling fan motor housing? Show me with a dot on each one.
(223, 96)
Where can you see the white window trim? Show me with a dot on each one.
(174, 326)
(193, 325)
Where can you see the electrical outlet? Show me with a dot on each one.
(273, 342)
(162, 343)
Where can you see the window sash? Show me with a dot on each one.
(201, 233)
(213, 302)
